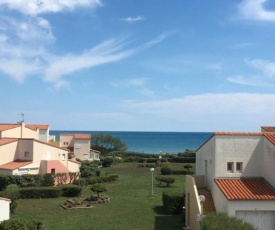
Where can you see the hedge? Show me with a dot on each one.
(102, 179)
(164, 179)
(3, 181)
(182, 159)
(38, 192)
(14, 224)
(70, 190)
(173, 202)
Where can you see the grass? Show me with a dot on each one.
(131, 208)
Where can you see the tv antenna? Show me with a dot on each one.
(22, 117)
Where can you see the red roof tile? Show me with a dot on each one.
(270, 137)
(268, 128)
(5, 141)
(4, 127)
(35, 127)
(245, 189)
(82, 136)
(15, 164)
(239, 133)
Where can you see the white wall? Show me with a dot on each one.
(4, 209)
(206, 155)
(246, 149)
(268, 163)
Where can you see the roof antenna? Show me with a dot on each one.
(22, 117)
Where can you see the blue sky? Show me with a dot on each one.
(147, 65)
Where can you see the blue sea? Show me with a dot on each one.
(153, 142)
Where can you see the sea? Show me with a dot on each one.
(152, 142)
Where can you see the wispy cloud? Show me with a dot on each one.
(133, 19)
(250, 81)
(215, 66)
(24, 42)
(266, 67)
(264, 76)
(36, 7)
(255, 10)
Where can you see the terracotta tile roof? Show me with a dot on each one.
(4, 198)
(82, 136)
(4, 127)
(15, 165)
(268, 128)
(270, 137)
(245, 189)
(35, 127)
(5, 141)
(239, 133)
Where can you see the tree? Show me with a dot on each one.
(107, 162)
(98, 188)
(106, 143)
(13, 193)
(88, 169)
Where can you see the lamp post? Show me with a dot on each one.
(201, 199)
(152, 171)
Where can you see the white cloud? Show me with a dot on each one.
(250, 81)
(255, 10)
(210, 105)
(266, 67)
(133, 19)
(36, 7)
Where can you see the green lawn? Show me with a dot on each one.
(131, 206)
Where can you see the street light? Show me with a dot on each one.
(152, 171)
(201, 199)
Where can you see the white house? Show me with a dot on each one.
(238, 169)
(79, 145)
(4, 208)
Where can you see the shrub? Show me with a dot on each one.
(173, 202)
(187, 166)
(81, 181)
(13, 193)
(107, 162)
(70, 190)
(165, 170)
(182, 172)
(102, 179)
(183, 159)
(3, 182)
(47, 180)
(14, 224)
(42, 192)
(223, 222)
(98, 188)
(167, 180)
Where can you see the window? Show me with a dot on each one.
(77, 145)
(86, 155)
(26, 154)
(53, 171)
(63, 157)
(230, 167)
(239, 167)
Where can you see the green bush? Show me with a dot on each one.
(182, 172)
(3, 181)
(167, 180)
(70, 190)
(107, 162)
(98, 188)
(183, 160)
(223, 222)
(47, 180)
(28, 180)
(102, 179)
(14, 224)
(165, 170)
(173, 202)
(40, 192)
(13, 193)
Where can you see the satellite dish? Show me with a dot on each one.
(201, 198)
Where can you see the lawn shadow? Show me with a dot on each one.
(163, 221)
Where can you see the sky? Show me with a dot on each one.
(146, 65)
